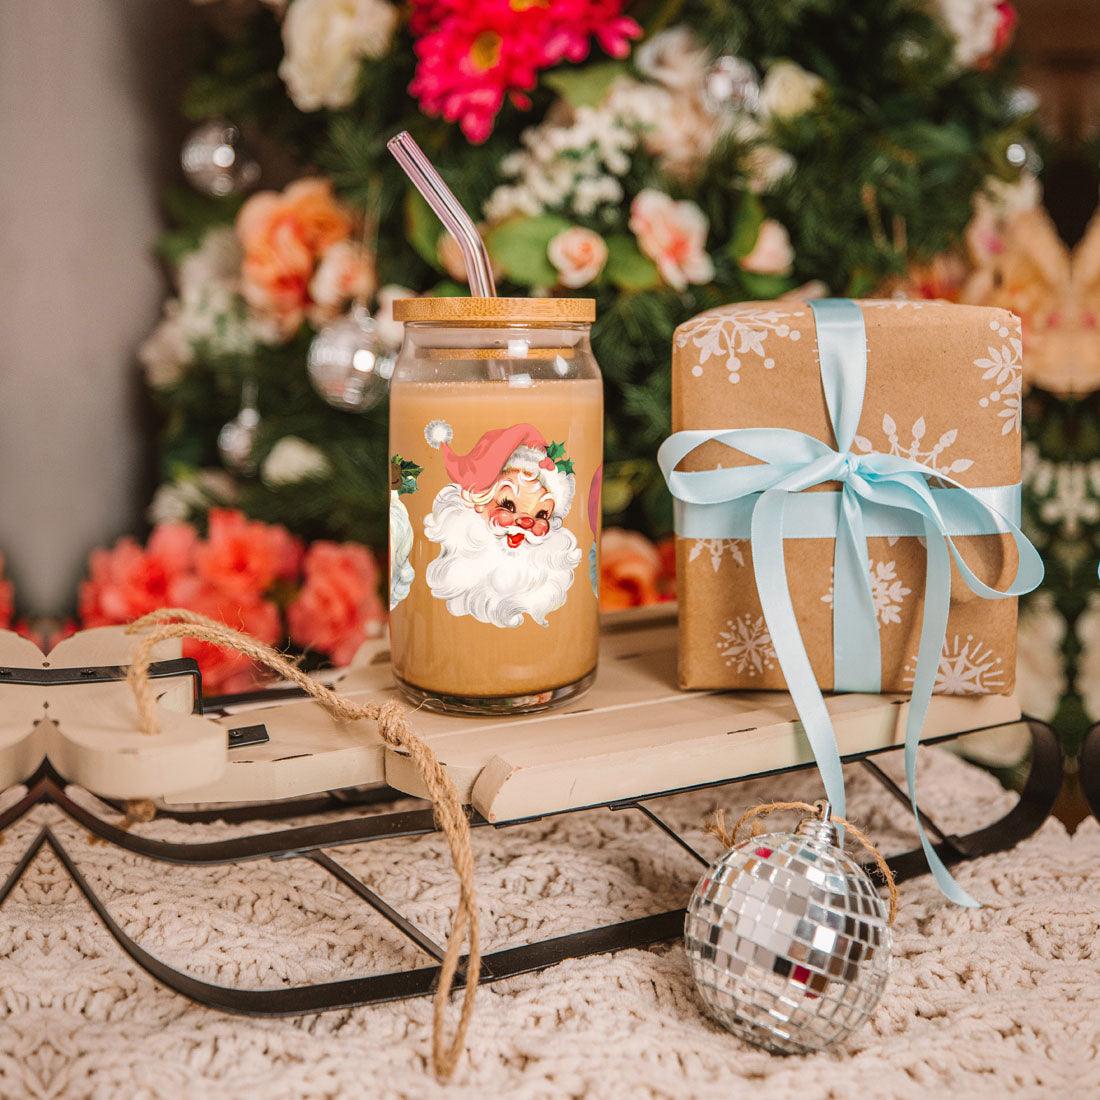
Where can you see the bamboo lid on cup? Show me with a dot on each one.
(496, 311)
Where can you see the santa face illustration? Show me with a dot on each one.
(504, 550)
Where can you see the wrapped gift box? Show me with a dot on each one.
(943, 387)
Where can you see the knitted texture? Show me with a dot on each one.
(999, 1001)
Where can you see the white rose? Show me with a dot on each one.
(674, 58)
(766, 166)
(217, 259)
(325, 42)
(674, 236)
(772, 254)
(166, 352)
(579, 255)
(973, 24)
(789, 90)
(292, 460)
(390, 332)
(178, 501)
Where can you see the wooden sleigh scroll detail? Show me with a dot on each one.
(74, 708)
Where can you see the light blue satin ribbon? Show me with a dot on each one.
(880, 494)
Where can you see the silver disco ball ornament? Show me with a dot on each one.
(348, 363)
(215, 160)
(731, 85)
(789, 940)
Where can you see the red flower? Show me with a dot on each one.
(224, 670)
(127, 581)
(227, 577)
(339, 605)
(473, 55)
(1007, 18)
(243, 558)
(7, 599)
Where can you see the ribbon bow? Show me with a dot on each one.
(880, 494)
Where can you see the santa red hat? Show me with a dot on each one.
(522, 447)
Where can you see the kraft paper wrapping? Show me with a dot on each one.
(944, 388)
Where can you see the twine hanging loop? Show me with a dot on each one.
(395, 729)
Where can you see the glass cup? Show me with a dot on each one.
(496, 460)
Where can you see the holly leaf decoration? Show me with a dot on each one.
(403, 475)
(556, 453)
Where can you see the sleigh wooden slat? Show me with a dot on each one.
(633, 734)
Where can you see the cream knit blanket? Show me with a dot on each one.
(1001, 1001)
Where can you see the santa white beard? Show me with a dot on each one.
(478, 574)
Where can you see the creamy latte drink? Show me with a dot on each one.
(496, 444)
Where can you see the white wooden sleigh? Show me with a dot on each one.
(67, 718)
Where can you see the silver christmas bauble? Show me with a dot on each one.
(731, 84)
(237, 439)
(215, 160)
(348, 364)
(788, 940)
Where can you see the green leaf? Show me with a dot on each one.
(746, 227)
(518, 246)
(403, 475)
(617, 494)
(627, 267)
(766, 286)
(554, 451)
(585, 87)
(448, 289)
(422, 228)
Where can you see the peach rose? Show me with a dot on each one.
(346, 271)
(339, 605)
(630, 570)
(772, 254)
(241, 558)
(450, 257)
(674, 236)
(283, 236)
(579, 255)
(449, 253)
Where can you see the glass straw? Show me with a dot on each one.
(427, 180)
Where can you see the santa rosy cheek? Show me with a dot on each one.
(540, 526)
(501, 517)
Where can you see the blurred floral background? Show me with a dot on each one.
(662, 156)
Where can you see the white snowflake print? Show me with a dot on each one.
(717, 549)
(886, 588)
(746, 645)
(917, 449)
(1004, 367)
(734, 332)
(896, 303)
(967, 667)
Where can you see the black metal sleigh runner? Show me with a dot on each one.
(634, 738)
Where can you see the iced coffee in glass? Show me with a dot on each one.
(496, 458)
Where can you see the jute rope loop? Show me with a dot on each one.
(716, 826)
(396, 731)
